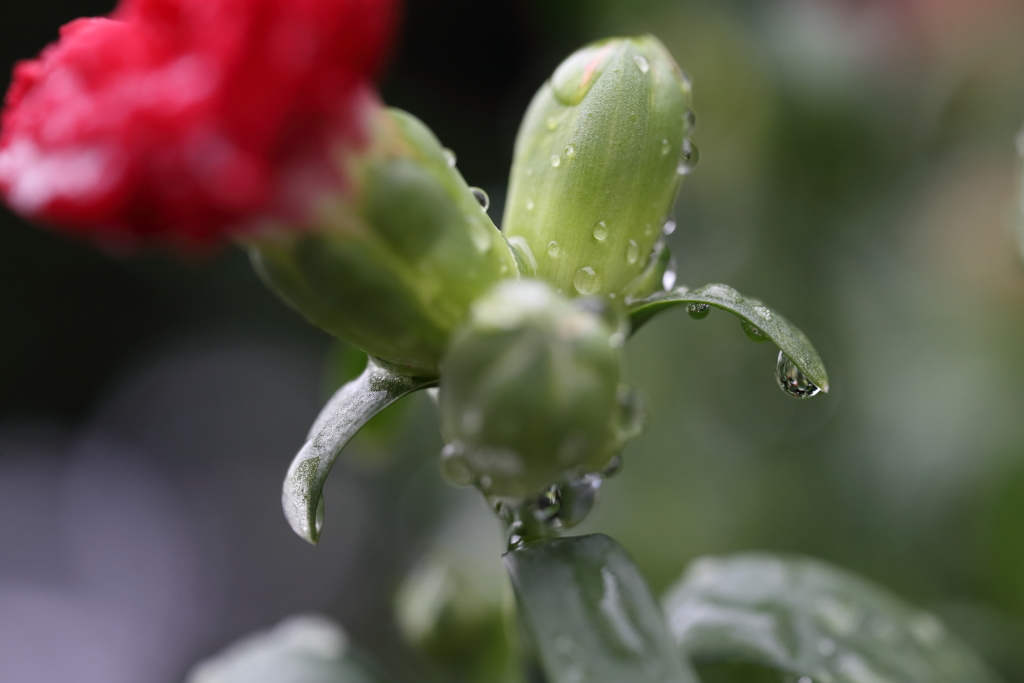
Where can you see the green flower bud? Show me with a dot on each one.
(393, 263)
(597, 165)
(530, 393)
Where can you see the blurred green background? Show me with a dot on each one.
(858, 172)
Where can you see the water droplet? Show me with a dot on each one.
(548, 504)
(555, 160)
(600, 231)
(481, 197)
(522, 249)
(632, 413)
(698, 311)
(688, 157)
(449, 157)
(668, 280)
(753, 332)
(554, 249)
(577, 500)
(552, 122)
(648, 230)
(570, 151)
(632, 252)
(529, 205)
(764, 312)
(689, 121)
(586, 281)
(454, 466)
(668, 228)
(686, 84)
(666, 147)
(613, 467)
(792, 381)
(641, 63)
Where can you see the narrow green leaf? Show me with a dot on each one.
(348, 410)
(590, 614)
(807, 618)
(790, 340)
(303, 649)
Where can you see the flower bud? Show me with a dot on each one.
(530, 392)
(393, 263)
(597, 164)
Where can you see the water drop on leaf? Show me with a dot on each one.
(555, 160)
(450, 158)
(586, 281)
(570, 151)
(792, 380)
(688, 157)
(632, 252)
(554, 249)
(753, 332)
(601, 231)
(481, 197)
(698, 311)
(689, 120)
(641, 63)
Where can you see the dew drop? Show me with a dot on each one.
(529, 205)
(586, 281)
(600, 231)
(578, 498)
(454, 466)
(689, 121)
(632, 413)
(686, 84)
(549, 502)
(449, 157)
(642, 63)
(556, 161)
(688, 157)
(698, 311)
(668, 280)
(613, 467)
(632, 252)
(666, 147)
(753, 332)
(554, 249)
(668, 228)
(570, 151)
(552, 122)
(481, 197)
(792, 380)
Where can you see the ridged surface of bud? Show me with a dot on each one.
(597, 164)
(530, 391)
(393, 263)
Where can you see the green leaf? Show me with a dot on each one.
(302, 649)
(591, 617)
(807, 618)
(790, 340)
(348, 410)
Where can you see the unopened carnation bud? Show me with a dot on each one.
(598, 161)
(392, 263)
(530, 391)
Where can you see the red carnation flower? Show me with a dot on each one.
(189, 119)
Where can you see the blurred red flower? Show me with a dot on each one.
(184, 120)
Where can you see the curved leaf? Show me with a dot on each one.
(591, 617)
(302, 649)
(807, 618)
(790, 340)
(348, 410)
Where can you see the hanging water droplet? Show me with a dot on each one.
(481, 197)
(641, 63)
(555, 160)
(586, 281)
(449, 157)
(529, 205)
(632, 252)
(698, 311)
(577, 500)
(548, 504)
(689, 121)
(753, 332)
(668, 228)
(632, 413)
(554, 249)
(570, 151)
(688, 157)
(600, 231)
(552, 122)
(792, 380)
(454, 466)
(666, 147)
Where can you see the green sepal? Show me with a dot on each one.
(391, 264)
(590, 615)
(596, 164)
(790, 340)
(348, 410)
(807, 618)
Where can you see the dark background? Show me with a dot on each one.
(857, 172)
